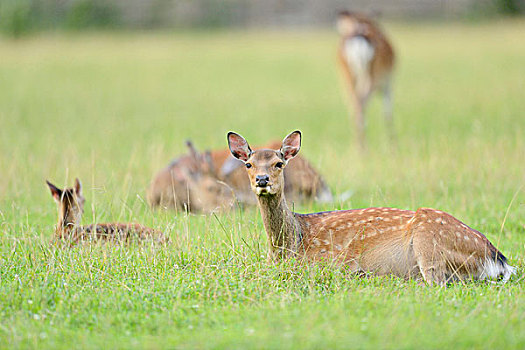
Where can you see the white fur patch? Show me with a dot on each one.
(493, 269)
(359, 53)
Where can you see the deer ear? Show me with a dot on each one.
(55, 191)
(192, 149)
(208, 159)
(291, 145)
(239, 147)
(78, 186)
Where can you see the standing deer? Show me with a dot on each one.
(426, 243)
(367, 60)
(70, 209)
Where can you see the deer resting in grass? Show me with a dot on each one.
(426, 243)
(70, 209)
(367, 60)
(190, 183)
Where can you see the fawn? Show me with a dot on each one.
(70, 209)
(426, 243)
(366, 59)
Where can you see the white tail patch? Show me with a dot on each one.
(494, 269)
(359, 53)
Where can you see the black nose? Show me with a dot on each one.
(262, 180)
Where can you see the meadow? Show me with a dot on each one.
(114, 108)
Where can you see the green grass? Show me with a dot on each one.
(113, 108)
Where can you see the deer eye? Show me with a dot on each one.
(248, 165)
(279, 165)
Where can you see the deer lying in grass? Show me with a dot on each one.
(70, 209)
(367, 60)
(204, 182)
(191, 183)
(428, 242)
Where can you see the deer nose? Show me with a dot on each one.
(262, 180)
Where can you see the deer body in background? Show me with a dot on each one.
(70, 209)
(215, 180)
(191, 183)
(427, 243)
(367, 60)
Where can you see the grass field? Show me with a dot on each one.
(113, 108)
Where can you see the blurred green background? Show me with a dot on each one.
(20, 17)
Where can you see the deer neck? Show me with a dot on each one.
(281, 225)
(64, 229)
(65, 225)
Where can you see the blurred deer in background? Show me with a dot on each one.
(190, 183)
(70, 209)
(427, 243)
(215, 180)
(367, 60)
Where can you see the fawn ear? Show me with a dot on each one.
(239, 147)
(78, 186)
(55, 191)
(291, 145)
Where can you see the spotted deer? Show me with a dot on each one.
(68, 229)
(426, 243)
(366, 59)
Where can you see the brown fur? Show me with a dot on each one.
(190, 183)
(378, 74)
(427, 243)
(68, 229)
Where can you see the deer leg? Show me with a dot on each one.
(440, 249)
(428, 250)
(360, 105)
(387, 106)
(428, 257)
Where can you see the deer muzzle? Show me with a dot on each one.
(262, 180)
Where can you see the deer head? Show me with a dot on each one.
(352, 23)
(70, 204)
(265, 167)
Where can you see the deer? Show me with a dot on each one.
(366, 59)
(214, 180)
(190, 183)
(68, 229)
(426, 243)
